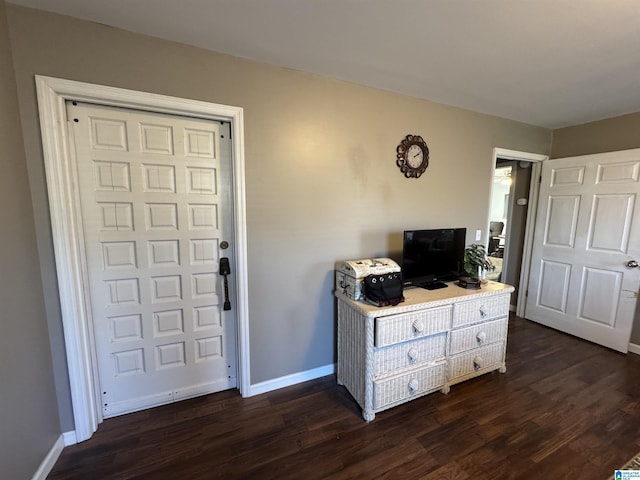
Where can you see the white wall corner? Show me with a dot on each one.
(49, 460)
(293, 379)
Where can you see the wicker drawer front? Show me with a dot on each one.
(478, 335)
(411, 384)
(480, 310)
(478, 361)
(409, 354)
(408, 326)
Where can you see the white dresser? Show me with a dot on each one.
(436, 338)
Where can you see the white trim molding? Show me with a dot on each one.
(517, 155)
(69, 438)
(293, 379)
(67, 230)
(49, 460)
(634, 348)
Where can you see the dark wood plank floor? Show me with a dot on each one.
(564, 409)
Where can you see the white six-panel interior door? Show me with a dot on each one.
(587, 231)
(157, 217)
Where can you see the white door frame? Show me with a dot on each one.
(532, 207)
(67, 233)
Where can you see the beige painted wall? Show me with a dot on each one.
(29, 422)
(322, 184)
(609, 135)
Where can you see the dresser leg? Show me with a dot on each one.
(368, 415)
(503, 369)
(446, 389)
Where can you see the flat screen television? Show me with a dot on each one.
(432, 257)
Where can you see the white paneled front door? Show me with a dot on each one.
(156, 197)
(587, 232)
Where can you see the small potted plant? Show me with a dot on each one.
(476, 263)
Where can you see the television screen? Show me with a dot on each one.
(430, 256)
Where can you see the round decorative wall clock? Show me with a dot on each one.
(412, 156)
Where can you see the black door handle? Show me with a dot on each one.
(225, 269)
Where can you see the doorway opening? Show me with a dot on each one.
(511, 218)
(498, 216)
(507, 218)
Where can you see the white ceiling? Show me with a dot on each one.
(551, 63)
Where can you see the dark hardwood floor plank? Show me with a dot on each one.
(564, 409)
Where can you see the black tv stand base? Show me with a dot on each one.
(433, 285)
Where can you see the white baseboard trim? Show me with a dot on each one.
(633, 348)
(50, 460)
(69, 438)
(293, 379)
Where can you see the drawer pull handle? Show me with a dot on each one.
(477, 363)
(413, 385)
(481, 337)
(412, 354)
(418, 326)
(483, 312)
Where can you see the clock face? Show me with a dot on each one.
(415, 156)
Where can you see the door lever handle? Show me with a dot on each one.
(225, 269)
(632, 264)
